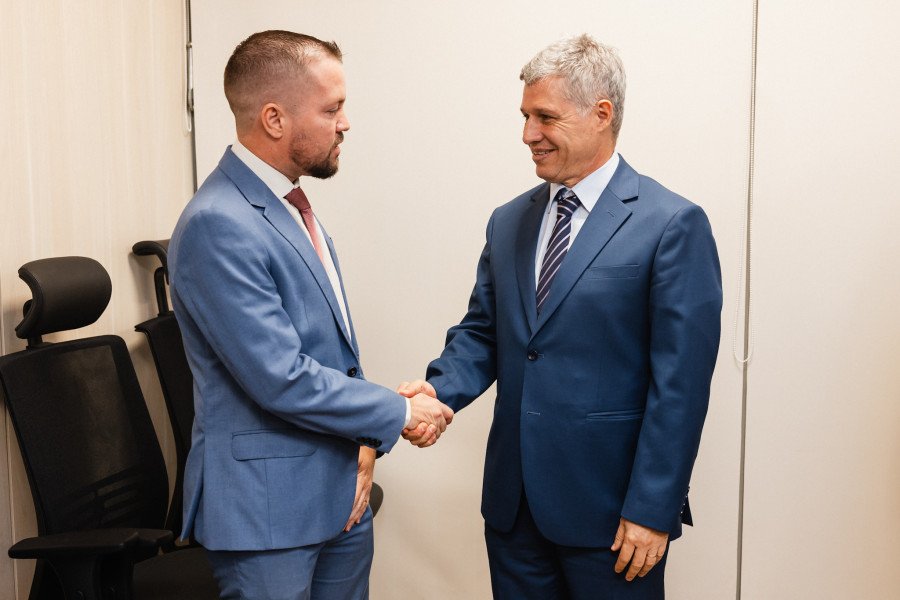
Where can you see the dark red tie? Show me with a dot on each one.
(299, 200)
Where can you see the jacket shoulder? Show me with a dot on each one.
(521, 201)
(661, 197)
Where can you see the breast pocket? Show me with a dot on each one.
(612, 272)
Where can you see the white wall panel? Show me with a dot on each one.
(822, 512)
(433, 98)
(95, 157)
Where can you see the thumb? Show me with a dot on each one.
(448, 413)
(620, 537)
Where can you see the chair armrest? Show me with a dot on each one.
(154, 538)
(76, 543)
(90, 542)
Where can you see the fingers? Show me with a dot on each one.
(620, 537)
(425, 442)
(653, 557)
(423, 435)
(359, 508)
(640, 548)
(625, 555)
(448, 413)
(428, 419)
(414, 434)
(419, 386)
(649, 563)
(637, 563)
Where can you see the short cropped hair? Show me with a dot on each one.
(592, 71)
(261, 64)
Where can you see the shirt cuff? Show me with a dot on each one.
(408, 413)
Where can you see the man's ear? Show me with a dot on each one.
(273, 120)
(604, 111)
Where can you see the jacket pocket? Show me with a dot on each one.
(616, 415)
(271, 443)
(612, 272)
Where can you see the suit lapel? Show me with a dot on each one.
(526, 248)
(258, 194)
(605, 219)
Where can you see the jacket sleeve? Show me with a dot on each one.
(222, 278)
(468, 365)
(685, 311)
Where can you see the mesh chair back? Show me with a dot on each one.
(87, 441)
(177, 385)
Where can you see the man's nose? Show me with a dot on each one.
(531, 132)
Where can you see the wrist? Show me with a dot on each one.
(408, 412)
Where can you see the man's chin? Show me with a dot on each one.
(324, 171)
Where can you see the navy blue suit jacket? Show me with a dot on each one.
(601, 398)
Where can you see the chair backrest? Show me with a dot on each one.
(87, 440)
(176, 380)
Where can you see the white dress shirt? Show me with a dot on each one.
(588, 191)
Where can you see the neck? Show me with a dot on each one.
(269, 153)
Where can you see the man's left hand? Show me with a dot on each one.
(363, 485)
(641, 546)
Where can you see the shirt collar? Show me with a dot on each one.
(272, 177)
(589, 189)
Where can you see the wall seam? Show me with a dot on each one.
(746, 265)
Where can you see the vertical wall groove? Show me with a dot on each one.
(746, 265)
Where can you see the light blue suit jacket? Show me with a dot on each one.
(281, 406)
(601, 398)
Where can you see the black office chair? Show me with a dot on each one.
(175, 376)
(97, 475)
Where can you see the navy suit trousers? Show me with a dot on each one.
(527, 566)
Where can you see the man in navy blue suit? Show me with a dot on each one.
(596, 309)
(286, 428)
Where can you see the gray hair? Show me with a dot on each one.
(592, 71)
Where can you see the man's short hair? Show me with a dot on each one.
(592, 71)
(261, 64)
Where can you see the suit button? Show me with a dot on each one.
(352, 371)
(532, 355)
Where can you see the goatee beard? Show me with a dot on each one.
(323, 170)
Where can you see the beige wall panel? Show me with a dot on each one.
(433, 98)
(98, 159)
(822, 512)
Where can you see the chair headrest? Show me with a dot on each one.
(67, 293)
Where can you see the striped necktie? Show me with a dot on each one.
(566, 204)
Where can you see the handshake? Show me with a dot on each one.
(429, 416)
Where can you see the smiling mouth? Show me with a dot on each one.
(539, 154)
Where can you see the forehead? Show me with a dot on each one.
(548, 93)
(326, 75)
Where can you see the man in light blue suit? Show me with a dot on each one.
(596, 309)
(286, 429)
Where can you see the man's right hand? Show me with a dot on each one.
(428, 416)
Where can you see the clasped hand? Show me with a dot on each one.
(429, 416)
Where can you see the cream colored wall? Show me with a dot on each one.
(95, 157)
(434, 146)
(822, 512)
